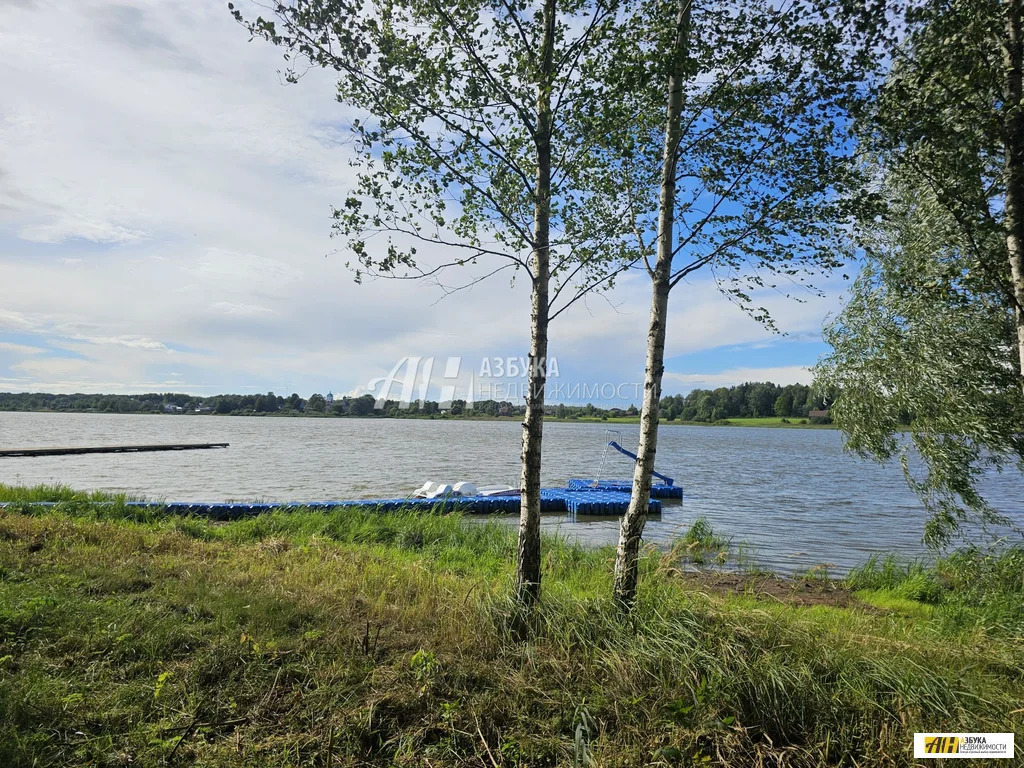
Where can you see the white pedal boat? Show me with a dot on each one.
(432, 490)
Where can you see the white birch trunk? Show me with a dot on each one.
(632, 527)
(1013, 106)
(528, 553)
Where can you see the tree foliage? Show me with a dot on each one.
(932, 333)
(764, 180)
(755, 179)
(747, 400)
(445, 158)
(926, 340)
(937, 124)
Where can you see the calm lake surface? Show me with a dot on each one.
(790, 494)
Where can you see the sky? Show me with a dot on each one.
(165, 204)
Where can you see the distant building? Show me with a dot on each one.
(204, 409)
(329, 399)
(818, 414)
(171, 408)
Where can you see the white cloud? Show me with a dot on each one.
(165, 201)
(246, 310)
(20, 349)
(10, 320)
(781, 375)
(64, 227)
(130, 341)
(229, 267)
(700, 318)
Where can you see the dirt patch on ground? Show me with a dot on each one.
(770, 587)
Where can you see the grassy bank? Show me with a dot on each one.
(794, 422)
(357, 638)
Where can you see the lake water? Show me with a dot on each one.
(790, 494)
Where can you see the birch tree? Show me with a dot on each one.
(931, 339)
(488, 133)
(750, 180)
(1011, 110)
(951, 115)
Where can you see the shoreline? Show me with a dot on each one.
(754, 422)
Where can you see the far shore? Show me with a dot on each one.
(771, 422)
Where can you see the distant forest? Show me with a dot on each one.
(754, 399)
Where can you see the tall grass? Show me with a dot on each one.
(360, 638)
(912, 580)
(54, 493)
(971, 589)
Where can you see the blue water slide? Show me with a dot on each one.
(620, 449)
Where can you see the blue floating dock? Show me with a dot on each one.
(601, 502)
(658, 490)
(589, 501)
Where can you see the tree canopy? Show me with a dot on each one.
(926, 343)
(445, 154)
(932, 335)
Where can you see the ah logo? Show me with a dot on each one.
(415, 382)
(941, 745)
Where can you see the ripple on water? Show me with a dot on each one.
(792, 496)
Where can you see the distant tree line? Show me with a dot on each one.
(753, 399)
(152, 402)
(227, 404)
(750, 400)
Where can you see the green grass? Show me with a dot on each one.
(700, 545)
(971, 590)
(360, 638)
(794, 422)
